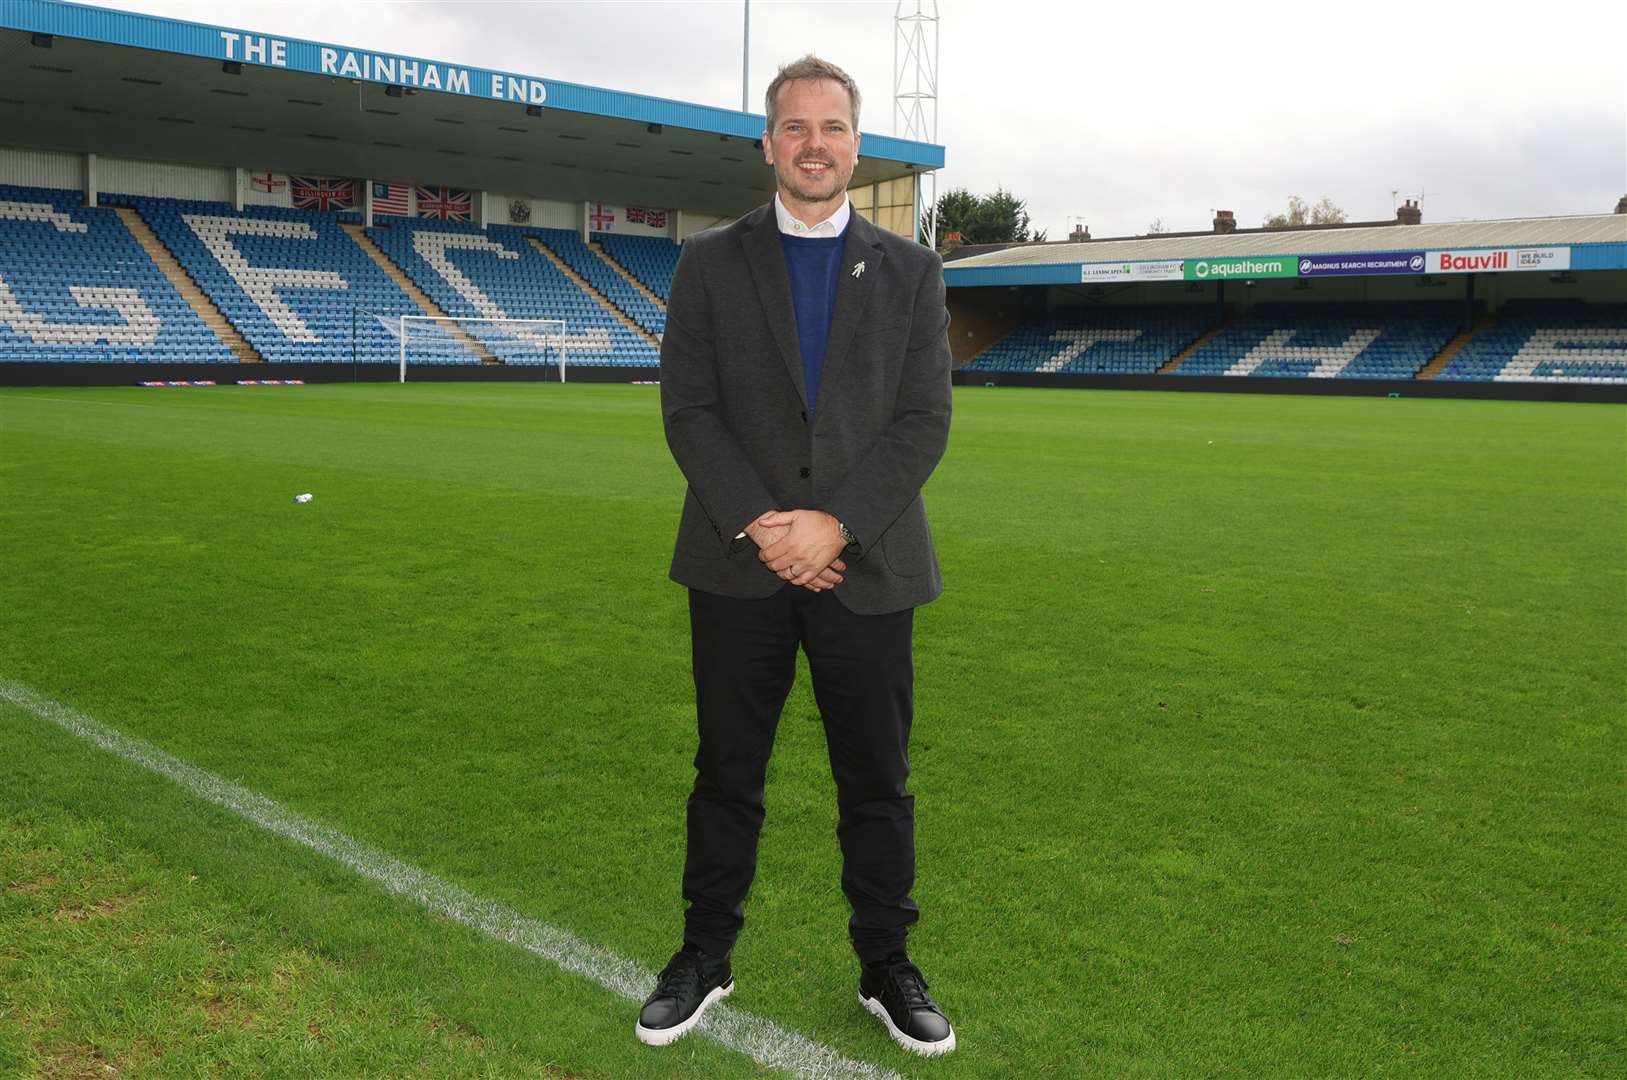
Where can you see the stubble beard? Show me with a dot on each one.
(805, 189)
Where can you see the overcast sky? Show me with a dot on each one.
(1116, 114)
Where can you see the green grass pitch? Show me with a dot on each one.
(1256, 736)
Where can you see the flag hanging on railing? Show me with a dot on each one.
(267, 188)
(641, 215)
(392, 199)
(626, 220)
(322, 193)
(445, 204)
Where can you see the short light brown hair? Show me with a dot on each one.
(810, 67)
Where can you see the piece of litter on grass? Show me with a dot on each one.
(303, 498)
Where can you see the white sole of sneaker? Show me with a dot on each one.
(914, 1046)
(666, 1036)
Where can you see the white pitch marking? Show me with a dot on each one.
(734, 1028)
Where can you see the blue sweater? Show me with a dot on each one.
(815, 267)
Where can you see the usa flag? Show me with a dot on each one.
(445, 204)
(322, 193)
(392, 199)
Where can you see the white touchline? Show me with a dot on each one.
(735, 1028)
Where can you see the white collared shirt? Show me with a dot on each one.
(831, 226)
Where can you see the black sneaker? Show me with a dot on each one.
(690, 982)
(895, 991)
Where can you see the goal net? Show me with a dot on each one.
(433, 339)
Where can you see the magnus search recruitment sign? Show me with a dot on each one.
(1397, 262)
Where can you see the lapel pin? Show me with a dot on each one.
(858, 268)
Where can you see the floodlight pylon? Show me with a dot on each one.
(915, 96)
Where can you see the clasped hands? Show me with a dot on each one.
(801, 547)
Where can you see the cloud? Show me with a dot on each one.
(1117, 113)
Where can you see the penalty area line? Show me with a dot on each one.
(738, 1030)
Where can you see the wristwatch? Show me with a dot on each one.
(847, 534)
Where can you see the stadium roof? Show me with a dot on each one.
(1595, 242)
(127, 84)
(1515, 232)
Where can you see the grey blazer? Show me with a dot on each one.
(737, 420)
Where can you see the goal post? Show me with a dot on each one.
(449, 339)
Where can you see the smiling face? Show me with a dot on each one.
(813, 147)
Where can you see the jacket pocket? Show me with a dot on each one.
(697, 536)
(866, 331)
(908, 543)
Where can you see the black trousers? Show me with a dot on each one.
(863, 678)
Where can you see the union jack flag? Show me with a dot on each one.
(322, 193)
(392, 199)
(639, 215)
(445, 204)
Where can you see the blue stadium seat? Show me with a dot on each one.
(1546, 341)
(496, 273)
(650, 259)
(76, 286)
(1313, 340)
(602, 276)
(1096, 340)
(292, 282)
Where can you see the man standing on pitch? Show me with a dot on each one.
(805, 390)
